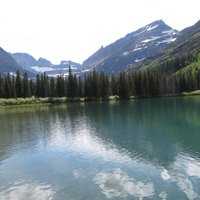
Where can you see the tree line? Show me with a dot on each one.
(145, 83)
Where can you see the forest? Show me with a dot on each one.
(142, 83)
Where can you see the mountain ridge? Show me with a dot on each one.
(132, 48)
(181, 51)
(28, 62)
(8, 64)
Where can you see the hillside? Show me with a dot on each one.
(134, 48)
(24, 60)
(179, 54)
(7, 63)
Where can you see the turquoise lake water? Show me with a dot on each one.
(142, 149)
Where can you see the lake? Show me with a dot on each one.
(142, 149)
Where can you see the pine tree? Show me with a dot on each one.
(80, 92)
(60, 87)
(8, 86)
(95, 84)
(104, 87)
(42, 86)
(71, 85)
(18, 85)
(32, 88)
(38, 86)
(52, 92)
(26, 86)
(13, 87)
(75, 86)
(114, 86)
(123, 86)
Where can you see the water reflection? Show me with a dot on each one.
(140, 149)
(23, 191)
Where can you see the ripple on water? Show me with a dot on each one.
(182, 172)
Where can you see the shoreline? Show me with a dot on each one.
(32, 101)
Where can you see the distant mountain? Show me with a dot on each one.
(24, 60)
(63, 68)
(133, 48)
(42, 62)
(8, 64)
(28, 62)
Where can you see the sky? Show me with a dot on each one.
(74, 29)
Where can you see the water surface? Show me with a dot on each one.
(143, 149)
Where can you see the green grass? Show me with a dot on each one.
(60, 100)
(196, 92)
(50, 100)
(23, 101)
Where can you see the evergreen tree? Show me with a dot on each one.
(71, 85)
(8, 86)
(123, 85)
(104, 87)
(60, 87)
(95, 84)
(18, 85)
(75, 86)
(26, 86)
(52, 92)
(38, 86)
(114, 86)
(80, 88)
(32, 88)
(13, 87)
(42, 86)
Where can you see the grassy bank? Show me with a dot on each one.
(49, 100)
(59, 100)
(196, 92)
(31, 101)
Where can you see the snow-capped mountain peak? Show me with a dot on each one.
(133, 48)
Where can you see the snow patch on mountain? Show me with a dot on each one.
(170, 32)
(42, 69)
(139, 33)
(151, 27)
(125, 53)
(138, 60)
(136, 49)
(65, 62)
(151, 39)
(169, 40)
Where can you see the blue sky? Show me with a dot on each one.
(74, 29)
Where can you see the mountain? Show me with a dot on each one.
(28, 62)
(7, 63)
(179, 54)
(63, 68)
(134, 48)
(42, 62)
(24, 60)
